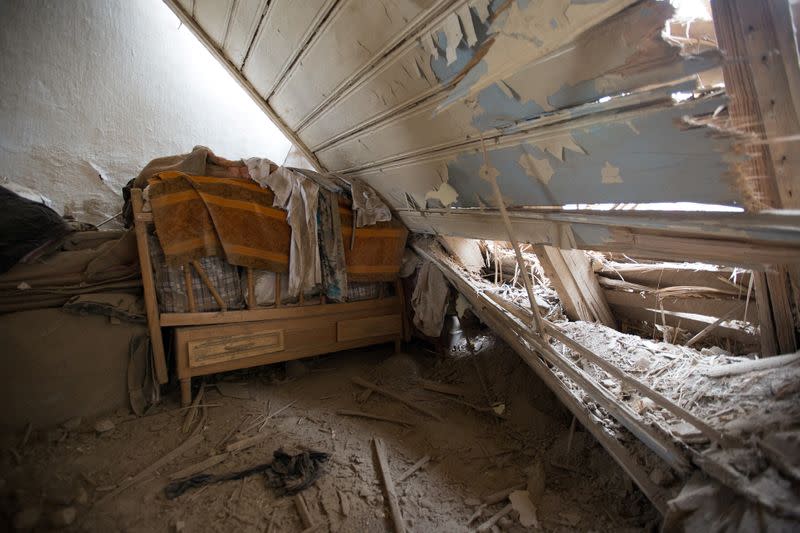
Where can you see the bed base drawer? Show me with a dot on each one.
(230, 348)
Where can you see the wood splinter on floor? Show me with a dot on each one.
(393, 395)
(388, 485)
(413, 468)
(362, 414)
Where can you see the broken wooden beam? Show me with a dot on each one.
(743, 367)
(362, 414)
(196, 468)
(621, 413)
(170, 456)
(491, 315)
(302, 510)
(388, 485)
(615, 372)
(413, 468)
(709, 328)
(487, 525)
(570, 272)
(500, 495)
(246, 442)
(375, 388)
(527, 279)
(739, 239)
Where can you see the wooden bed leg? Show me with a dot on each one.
(148, 283)
(186, 392)
(398, 346)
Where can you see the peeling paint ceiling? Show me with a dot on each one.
(568, 101)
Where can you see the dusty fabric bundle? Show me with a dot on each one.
(289, 474)
(331, 247)
(200, 161)
(430, 300)
(26, 227)
(376, 252)
(110, 265)
(367, 205)
(122, 306)
(299, 196)
(201, 216)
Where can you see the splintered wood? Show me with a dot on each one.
(685, 302)
(388, 485)
(673, 399)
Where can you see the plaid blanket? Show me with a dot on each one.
(171, 287)
(201, 216)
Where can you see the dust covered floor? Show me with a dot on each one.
(473, 453)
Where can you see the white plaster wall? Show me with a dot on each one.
(92, 88)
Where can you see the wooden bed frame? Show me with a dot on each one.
(211, 342)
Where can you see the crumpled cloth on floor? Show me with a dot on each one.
(299, 196)
(430, 300)
(288, 474)
(367, 205)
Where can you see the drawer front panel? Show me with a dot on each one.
(230, 348)
(363, 328)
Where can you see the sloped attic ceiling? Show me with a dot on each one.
(420, 97)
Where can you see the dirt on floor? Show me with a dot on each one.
(503, 428)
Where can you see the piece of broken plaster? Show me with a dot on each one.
(446, 194)
(521, 501)
(610, 173)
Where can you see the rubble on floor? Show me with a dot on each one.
(453, 474)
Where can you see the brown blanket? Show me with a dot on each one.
(200, 161)
(200, 216)
(377, 250)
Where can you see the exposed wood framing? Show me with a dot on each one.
(775, 318)
(713, 307)
(752, 240)
(761, 98)
(511, 322)
(756, 175)
(219, 55)
(761, 74)
(663, 275)
(685, 322)
(527, 278)
(493, 315)
(571, 274)
(468, 251)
